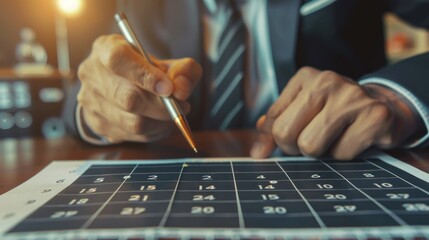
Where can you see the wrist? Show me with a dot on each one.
(406, 120)
(85, 132)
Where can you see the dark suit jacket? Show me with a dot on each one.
(345, 36)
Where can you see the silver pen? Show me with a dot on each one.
(174, 110)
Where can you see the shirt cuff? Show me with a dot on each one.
(420, 106)
(85, 132)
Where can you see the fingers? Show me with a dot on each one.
(123, 88)
(289, 125)
(104, 127)
(130, 98)
(351, 143)
(104, 116)
(286, 97)
(317, 137)
(185, 74)
(117, 56)
(320, 111)
(276, 116)
(290, 92)
(167, 77)
(368, 129)
(129, 123)
(265, 144)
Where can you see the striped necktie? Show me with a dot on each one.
(226, 88)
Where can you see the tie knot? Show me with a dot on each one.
(214, 6)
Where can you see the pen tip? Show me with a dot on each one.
(195, 150)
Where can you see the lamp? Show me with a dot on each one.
(69, 7)
(65, 8)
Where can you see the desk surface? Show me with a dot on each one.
(22, 159)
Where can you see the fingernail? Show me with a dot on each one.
(163, 87)
(256, 150)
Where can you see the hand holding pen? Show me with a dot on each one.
(120, 91)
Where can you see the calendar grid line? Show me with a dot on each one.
(239, 210)
(94, 216)
(243, 201)
(247, 190)
(386, 210)
(421, 189)
(242, 180)
(173, 195)
(239, 172)
(315, 215)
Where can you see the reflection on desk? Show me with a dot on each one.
(23, 158)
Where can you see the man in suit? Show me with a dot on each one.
(314, 77)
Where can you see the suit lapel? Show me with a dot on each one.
(283, 22)
(184, 28)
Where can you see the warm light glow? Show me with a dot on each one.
(69, 7)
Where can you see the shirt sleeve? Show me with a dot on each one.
(419, 105)
(85, 131)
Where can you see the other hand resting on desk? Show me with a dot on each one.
(321, 111)
(120, 91)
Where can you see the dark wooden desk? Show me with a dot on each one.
(22, 159)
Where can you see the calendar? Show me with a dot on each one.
(375, 196)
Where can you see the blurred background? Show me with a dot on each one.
(33, 78)
(89, 20)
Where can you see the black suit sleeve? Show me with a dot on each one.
(411, 73)
(415, 12)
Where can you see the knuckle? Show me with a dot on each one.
(326, 81)
(114, 57)
(380, 111)
(308, 148)
(328, 74)
(183, 94)
(129, 99)
(111, 38)
(274, 111)
(102, 41)
(82, 71)
(355, 92)
(283, 135)
(134, 124)
(93, 120)
(99, 41)
(146, 79)
(194, 67)
(115, 37)
(189, 61)
(81, 97)
(305, 70)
